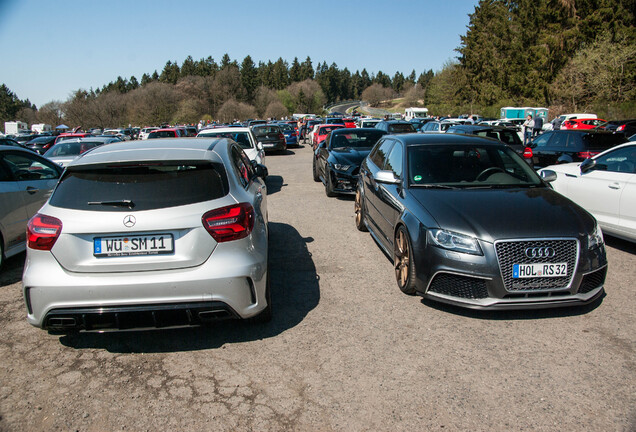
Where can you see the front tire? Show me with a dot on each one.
(403, 261)
(360, 216)
(315, 169)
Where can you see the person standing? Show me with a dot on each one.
(528, 125)
(538, 126)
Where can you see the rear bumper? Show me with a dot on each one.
(236, 286)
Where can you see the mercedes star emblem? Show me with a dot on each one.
(129, 221)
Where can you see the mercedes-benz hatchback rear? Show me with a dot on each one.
(151, 233)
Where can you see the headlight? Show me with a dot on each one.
(341, 167)
(596, 238)
(454, 241)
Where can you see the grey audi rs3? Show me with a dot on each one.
(468, 222)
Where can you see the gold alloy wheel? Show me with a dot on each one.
(402, 259)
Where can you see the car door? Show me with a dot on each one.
(609, 190)
(373, 164)
(26, 182)
(388, 195)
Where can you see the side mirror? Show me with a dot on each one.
(386, 177)
(587, 165)
(548, 176)
(323, 144)
(259, 146)
(260, 170)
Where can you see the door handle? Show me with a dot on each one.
(31, 190)
(614, 186)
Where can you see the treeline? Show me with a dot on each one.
(567, 55)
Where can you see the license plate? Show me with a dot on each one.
(150, 244)
(269, 145)
(523, 271)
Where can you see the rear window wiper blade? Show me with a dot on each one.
(117, 203)
(434, 186)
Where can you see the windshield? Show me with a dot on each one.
(357, 139)
(325, 130)
(465, 166)
(401, 127)
(262, 131)
(70, 148)
(241, 138)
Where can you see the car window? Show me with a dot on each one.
(240, 167)
(5, 175)
(148, 186)
(394, 161)
(401, 128)
(542, 140)
(379, 154)
(621, 160)
(27, 167)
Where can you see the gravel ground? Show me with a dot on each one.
(345, 351)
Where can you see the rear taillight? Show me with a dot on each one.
(281, 136)
(586, 154)
(229, 223)
(527, 153)
(43, 231)
(621, 128)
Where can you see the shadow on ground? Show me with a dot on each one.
(11, 270)
(295, 292)
(274, 184)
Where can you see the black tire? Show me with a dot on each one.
(403, 261)
(329, 185)
(266, 314)
(360, 216)
(315, 169)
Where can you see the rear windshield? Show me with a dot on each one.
(508, 137)
(401, 127)
(598, 141)
(265, 130)
(141, 187)
(242, 138)
(162, 134)
(327, 129)
(70, 148)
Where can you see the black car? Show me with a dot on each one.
(507, 136)
(468, 222)
(271, 136)
(13, 143)
(41, 144)
(565, 146)
(628, 127)
(395, 126)
(337, 159)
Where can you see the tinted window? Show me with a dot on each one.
(394, 163)
(162, 134)
(379, 154)
(241, 138)
(149, 186)
(542, 140)
(401, 128)
(266, 130)
(602, 141)
(28, 167)
(355, 138)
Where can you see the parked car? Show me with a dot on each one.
(565, 146)
(41, 144)
(583, 123)
(395, 126)
(242, 136)
(151, 233)
(26, 181)
(337, 159)
(349, 122)
(507, 136)
(270, 136)
(71, 135)
(144, 132)
(437, 126)
(321, 132)
(291, 136)
(165, 133)
(628, 127)
(368, 122)
(469, 223)
(67, 151)
(13, 143)
(604, 185)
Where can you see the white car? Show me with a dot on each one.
(242, 136)
(604, 185)
(144, 132)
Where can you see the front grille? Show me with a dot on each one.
(459, 286)
(514, 252)
(593, 280)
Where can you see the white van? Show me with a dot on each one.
(411, 113)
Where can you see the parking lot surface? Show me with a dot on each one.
(346, 350)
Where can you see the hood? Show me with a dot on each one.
(349, 155)
(495, 214)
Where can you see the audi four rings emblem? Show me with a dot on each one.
(130, 221)
(540, 252)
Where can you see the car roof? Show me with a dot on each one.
(412, 139)
(475, 128)
(354, 130)
(225, 129)
(191, 149)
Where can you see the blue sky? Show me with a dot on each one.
(48, 48)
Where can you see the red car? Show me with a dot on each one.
(349, 122)
(165, 133)
(322, 131)
(582, 123)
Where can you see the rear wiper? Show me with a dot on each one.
(118, 203)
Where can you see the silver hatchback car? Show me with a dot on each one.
(147, 234)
